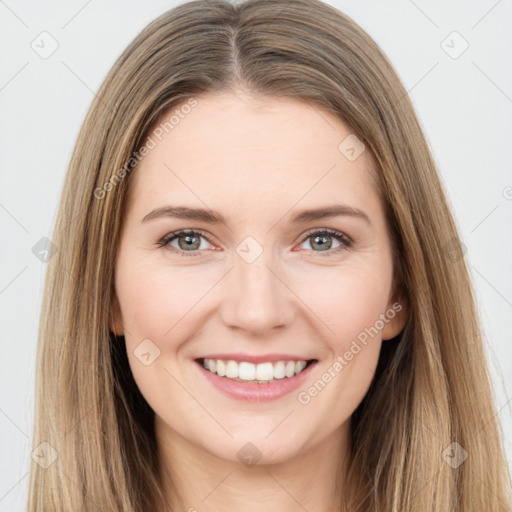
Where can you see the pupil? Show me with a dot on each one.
(189, 240)
(321, 245)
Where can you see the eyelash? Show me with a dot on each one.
(344, 240)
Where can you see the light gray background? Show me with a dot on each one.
(464, 104)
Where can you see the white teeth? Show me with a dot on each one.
(290, 369)
(279, 370)
(265, 371)
(299, 366)
(245, 371)
(221, 368)
(232, 370)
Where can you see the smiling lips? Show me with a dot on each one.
(255, 378)
(255, 381)
(245, 371)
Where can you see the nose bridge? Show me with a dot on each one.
(256, 299)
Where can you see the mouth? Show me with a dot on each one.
(261, 373)
(255, 382)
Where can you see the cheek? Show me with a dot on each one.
(158, 304)
(348, 300)
(155, 300)
(161, 307)
(350, 305)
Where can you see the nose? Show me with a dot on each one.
(256, 298)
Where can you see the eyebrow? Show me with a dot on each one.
(213, 217)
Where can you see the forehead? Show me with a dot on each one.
(234, 149)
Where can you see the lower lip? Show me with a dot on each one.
(254, 392)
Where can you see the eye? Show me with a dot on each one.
(188, 241)
(323, 240)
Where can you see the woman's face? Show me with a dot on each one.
(266, 287)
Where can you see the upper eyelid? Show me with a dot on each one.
(329, 231)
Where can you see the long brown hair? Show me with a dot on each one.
(431, 388)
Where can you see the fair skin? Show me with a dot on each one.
(257, 161)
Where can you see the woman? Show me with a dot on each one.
(197, 352)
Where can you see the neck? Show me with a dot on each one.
(194, 480)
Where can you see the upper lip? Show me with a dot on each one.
(256, 358)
